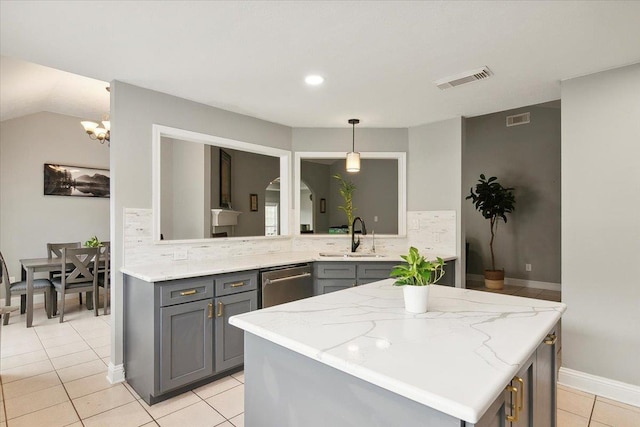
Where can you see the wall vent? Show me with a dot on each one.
(462, 78)
(518, 119)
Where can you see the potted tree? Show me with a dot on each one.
(416, 276)
(494, 202)
(346, 191)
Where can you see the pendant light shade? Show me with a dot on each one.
(353, 157)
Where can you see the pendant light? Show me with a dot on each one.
(353, 157)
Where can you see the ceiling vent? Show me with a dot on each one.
(518, 119)
(462, 78)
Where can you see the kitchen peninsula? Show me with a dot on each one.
(356, 357)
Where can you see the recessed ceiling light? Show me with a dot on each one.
(314, 80)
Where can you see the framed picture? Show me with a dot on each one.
(323, 205)
(253, 202)
(225, 180)
(64, 180)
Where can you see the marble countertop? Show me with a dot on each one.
(171, 270)
(456, 358)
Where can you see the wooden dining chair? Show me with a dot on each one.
(54, 250)
(104, 274)
(20, 288)
(83, 277)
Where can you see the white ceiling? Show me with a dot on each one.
(379, 59)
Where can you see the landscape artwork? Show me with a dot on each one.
(62, 180)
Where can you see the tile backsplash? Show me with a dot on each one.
(429, 231)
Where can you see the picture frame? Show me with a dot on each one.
(253, 202)
(323, 205)
(76, 181)
(225, 180)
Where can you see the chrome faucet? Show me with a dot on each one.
(363, 229)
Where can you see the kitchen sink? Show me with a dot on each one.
(350, 255)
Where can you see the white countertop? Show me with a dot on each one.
(456, 358)
(171, 270)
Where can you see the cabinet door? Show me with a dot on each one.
(331, 285)
(521, 403)
(186, 343)
(229, 348)
(544, 410)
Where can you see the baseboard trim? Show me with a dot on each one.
(115, 373)
(605, 387)
(549, 286)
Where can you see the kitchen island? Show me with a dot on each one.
(356, 357)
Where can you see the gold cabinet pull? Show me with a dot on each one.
(210, 316)
(185, 293)
(514, 406)
(551, 339)
(521, 381)
(237, 284)
(220, 309)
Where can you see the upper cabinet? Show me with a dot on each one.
(196, 175)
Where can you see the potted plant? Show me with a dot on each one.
(93, 242)
(494, 202)
(416, 276)
(346, 191)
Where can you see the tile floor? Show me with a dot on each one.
(519, 291)
(55, 375)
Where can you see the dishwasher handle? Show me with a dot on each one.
(297, 276)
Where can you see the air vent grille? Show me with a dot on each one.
(462, 78)
(518, 119)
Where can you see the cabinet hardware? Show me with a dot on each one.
(235, 285)
(210, 316)
(299, 276)
(551, 339)
(191, 292)
(521, 381)
(514, 406)
(220, 309)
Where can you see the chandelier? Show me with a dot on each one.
(96, 132)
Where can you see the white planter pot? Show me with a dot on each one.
(416, 298)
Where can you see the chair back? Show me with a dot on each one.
(105, 260)
(83, 264)
(4, 275)
(54, 250)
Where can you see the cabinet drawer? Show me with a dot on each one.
(336, 270)
(227, 284)
(326, 286)
(186, 290)
(375, 270)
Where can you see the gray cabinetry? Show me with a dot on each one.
(335, 276)
(229, 343)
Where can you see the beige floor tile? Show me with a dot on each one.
(76, 424)
(211, 389)
(238, 421)
(567, 419)
(89, 323)
(35, 401)
(576, 391)
(25, 371)
(620, 404)
(575, 403)
(168, 406)
(225, 424)
(69, 338)
(528, 292)
(106, 360)
(127, 415)
(23, 359)
(594, 424)
(58, 415)
(70, 348)
(16, 348)
(54, 330)
(151, 424)
(229, 403)
(615, 415)
(99, 341)
(101, 401)
(104, 351)
(197, 415)
(103, 330)
(239, 376)
(31, 384)
(73, 359)
(131, 390)
(82, 370)
(87, 385)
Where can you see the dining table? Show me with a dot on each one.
(29, 267)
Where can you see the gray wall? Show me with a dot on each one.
(133, 111)
(28, 219)
(600, 211)
(526, 157)
(332, 139)
(434, 171)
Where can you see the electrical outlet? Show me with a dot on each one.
(375, 218)
(527, 267)
(180, 253)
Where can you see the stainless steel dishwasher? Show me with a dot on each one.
(285, 284)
